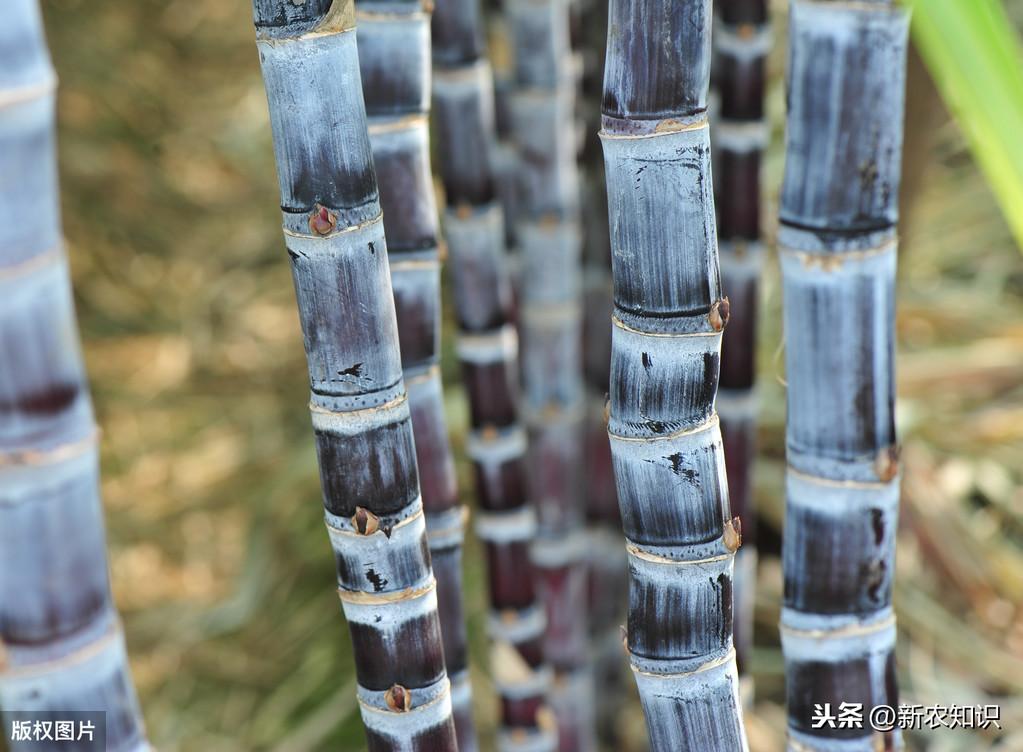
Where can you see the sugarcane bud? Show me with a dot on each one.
(546, 720)
(732, 537)
(624, 634)
(427, 6)
(366, 523)
(322, 221)
(607, 409)
(719, 314)
(3, 656)
(886, 464)
(463, 211)
(398, 699)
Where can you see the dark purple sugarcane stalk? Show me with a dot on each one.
(545, 133)
(61, 644)
(740, 134)
(395, 62)
(837, 243)
(668, 318)
(488, 351)
(334, 235)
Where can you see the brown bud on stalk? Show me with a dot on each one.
(719, 314)
(886, 464)
(322, 221)
(398, 699)
(366, 523)
(733, 534)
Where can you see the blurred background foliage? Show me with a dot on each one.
(973, 52)
(219, 560)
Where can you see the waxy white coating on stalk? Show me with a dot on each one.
(669, 314)
(61, 646)
(503, 527)
(361, 415)
(501, 447)
(495, 346)
(839, 209)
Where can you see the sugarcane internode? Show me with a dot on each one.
(837, 243)
(362, 417)
(667, 326)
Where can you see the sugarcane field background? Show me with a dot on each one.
(219, 564)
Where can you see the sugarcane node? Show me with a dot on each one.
(886, 463)
(398, 699)
(322, 221)
(546, 720)
(365, 522)
(732, 537)
(719, 313)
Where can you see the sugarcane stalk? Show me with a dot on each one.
(837, 243)
(395, 63)
(334, 235)
(543, 114)
(607, 560)
(61, 643)
(741, 44)
(669, 314)
(488, 351)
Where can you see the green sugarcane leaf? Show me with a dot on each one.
(976, 60)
